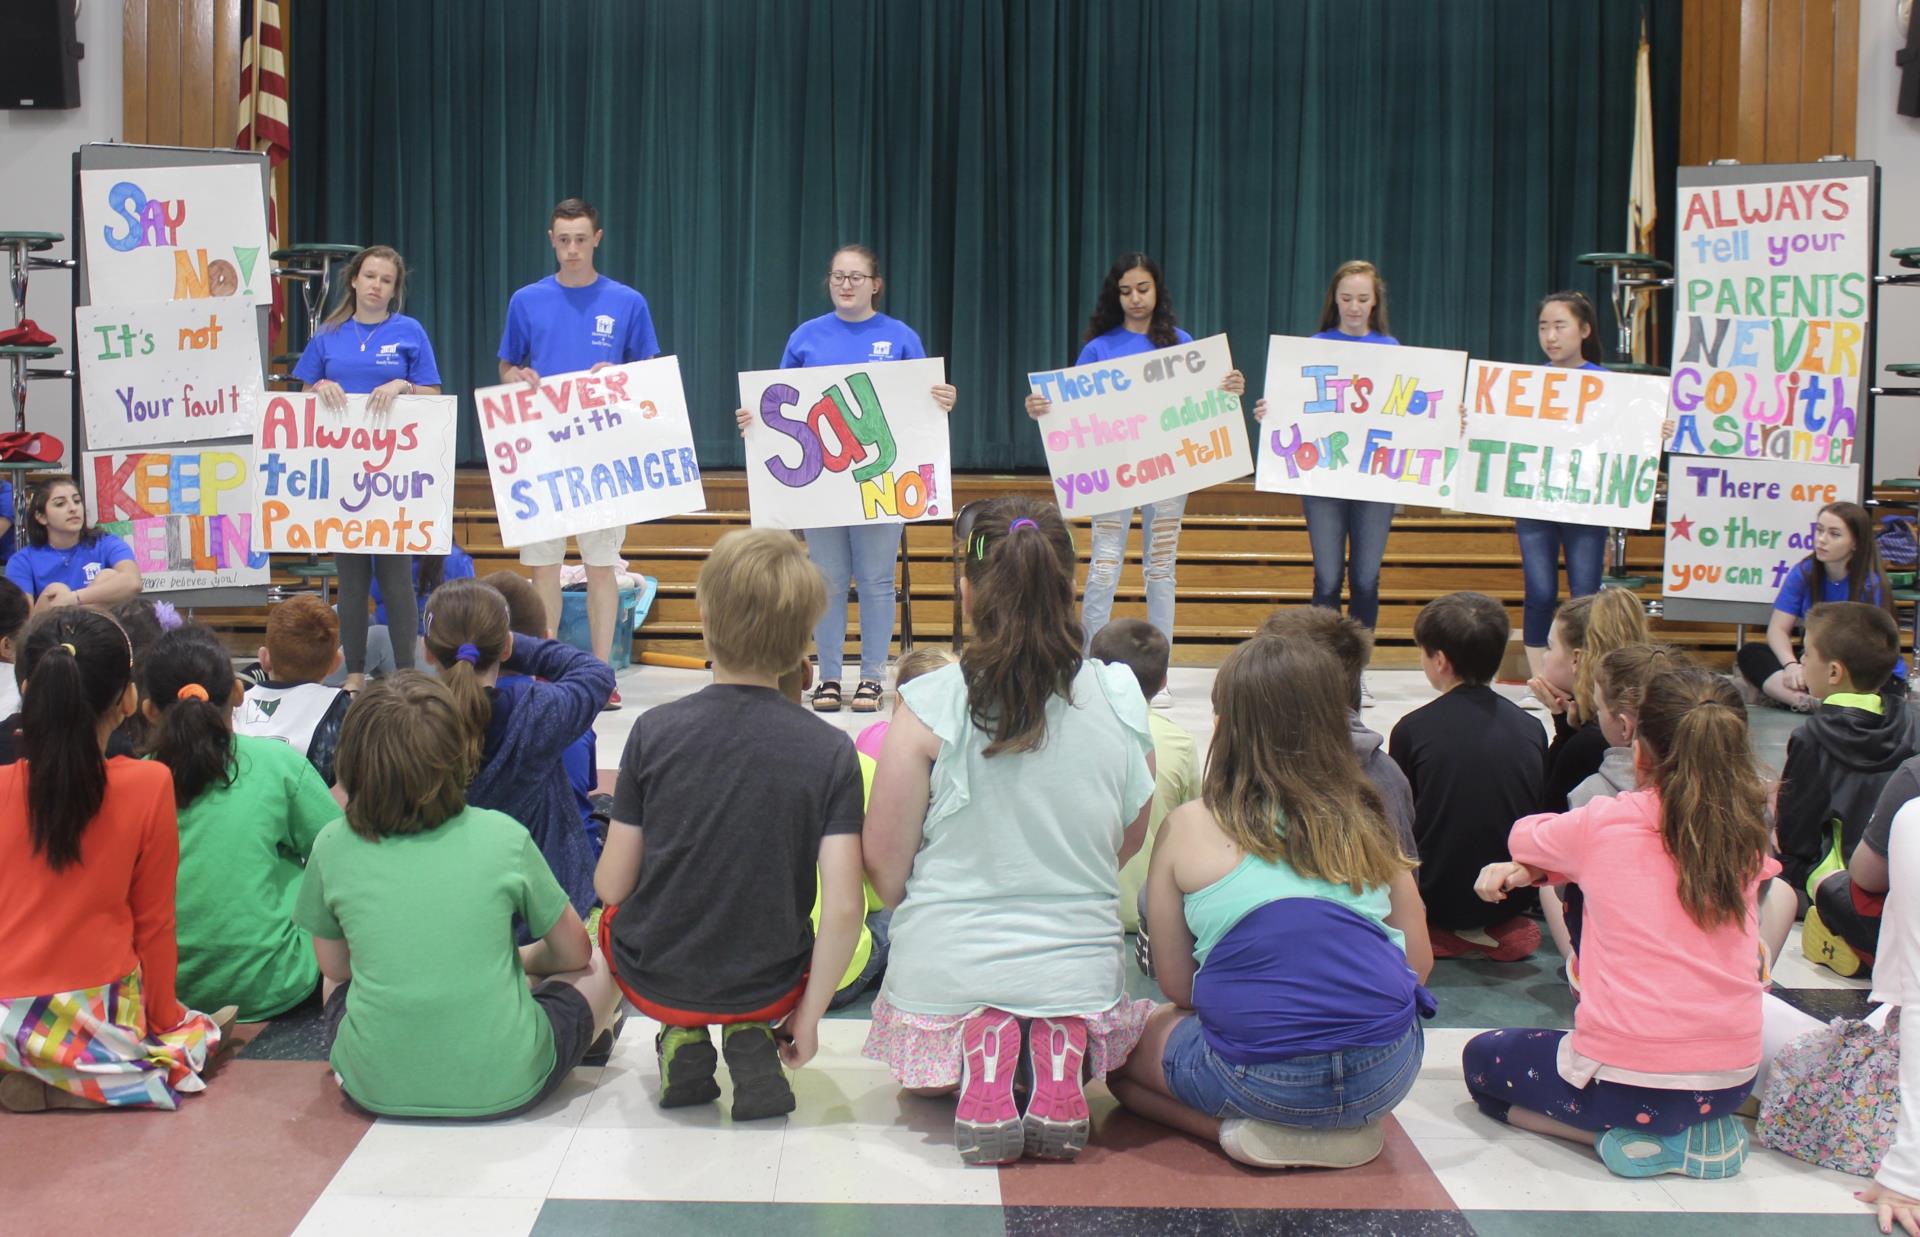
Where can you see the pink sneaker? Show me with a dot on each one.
(1057, 1122)
(986, 1122)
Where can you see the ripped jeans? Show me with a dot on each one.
(1160, 537)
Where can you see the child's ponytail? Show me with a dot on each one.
(1693, 728)
(1596, 625)
(74, 667)
(467, 629)
(187, 678)
(1019, 559)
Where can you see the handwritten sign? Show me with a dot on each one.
(846, 444)
(1368, 421)
(186, 513)
(1771, 303)
(176, 234)
(353, 481)
(588, 451)
(171, 371)
(1736, 528)
(1581, 446)
(1141, 428)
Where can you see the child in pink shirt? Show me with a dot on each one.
(1666, 1038)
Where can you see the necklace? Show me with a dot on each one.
(366, 337)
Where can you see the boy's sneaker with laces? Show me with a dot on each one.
(1824, 947)
(986, 1121)
(1057, 1121)
(760, 1086)
(687, 1063)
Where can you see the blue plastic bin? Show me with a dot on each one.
(634, 604)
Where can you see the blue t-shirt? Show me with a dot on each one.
(361, 357)
(1371, 337)
(1793, 599)
(560, 330)
(1121, 342)
(35, 567)
(459, 566)
(1594, 365)
(832, 340)
(7, 513)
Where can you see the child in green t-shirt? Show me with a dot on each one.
(411, 901)
(249, 810)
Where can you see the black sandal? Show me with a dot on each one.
(826, 697)
(866, 697)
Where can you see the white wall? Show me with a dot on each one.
(36, 168)
(1893, 141)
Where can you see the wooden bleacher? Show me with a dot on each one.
(1241, 554)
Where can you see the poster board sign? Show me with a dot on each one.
(185, 511)
(1743, 525)
(176, 233)
(1141, 428)
(1771, 308)
(1364, 421)
(352, 481)
(587, 451)
(1581, 446)
(836, 445)
(169, 371)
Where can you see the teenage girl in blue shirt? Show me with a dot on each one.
(65, 562)
(1134, 314)
(855, 333)
(367, 347)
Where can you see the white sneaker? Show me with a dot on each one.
(1261, 1145)
(1366, 693)
(1163, 699)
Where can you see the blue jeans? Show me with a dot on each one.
(863, 555)
(1160, 542)
(1541, 543)
(1349, 538)
(1323, 1091)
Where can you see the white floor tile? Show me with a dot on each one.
(1438, 1109)
(1534, 1173)
(711, 1165)
(851, 1163)
(1771, 1181)
(453, 1161)
(359, 1215)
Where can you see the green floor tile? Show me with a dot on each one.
(611, 1218)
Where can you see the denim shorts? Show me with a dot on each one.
(1321, 1091)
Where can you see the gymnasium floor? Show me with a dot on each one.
(270, 1148)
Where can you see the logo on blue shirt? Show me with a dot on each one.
(882, 350)
(603, 330)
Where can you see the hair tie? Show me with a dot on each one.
(166, 615)
(1017, 525)
(190, 691)
(71, 651)
(469, 653)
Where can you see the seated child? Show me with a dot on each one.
(1840, 760)
(1584, 630)
(1619, 685)
(411, 900)
(527, 615)
(249, 810)
(294, 705)
(726, 801)
(1286, 1055)
(1011, 790)
(1848, 905)
(14, 608)
(1475, 761)
(523, 733)
(134, 617)
(923, 660)
(1351, 643)
(88, 851)
(144, 620)
(1667, 1033)
(1145, 651)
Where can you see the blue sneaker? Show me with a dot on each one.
(1709, 1151)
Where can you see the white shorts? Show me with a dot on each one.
(600, 548)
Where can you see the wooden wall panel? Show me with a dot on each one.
(180, 72)
(1768, 81)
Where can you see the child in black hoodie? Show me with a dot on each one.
(1839, 762)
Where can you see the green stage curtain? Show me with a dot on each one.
(997, 153)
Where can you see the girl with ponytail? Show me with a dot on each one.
(1667, 1035)
(249, 810)
(88, 852)
(1010, 789)
(519, 731)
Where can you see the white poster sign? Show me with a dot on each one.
(353, 481)
(169, 371)
(1736, 528)
(185, 511)
(176, 234)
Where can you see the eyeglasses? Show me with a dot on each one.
(850, 279)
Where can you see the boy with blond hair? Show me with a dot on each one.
(293, 705)
(726, 801)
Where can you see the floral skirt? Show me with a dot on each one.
(92, 1042)
(923, 1050)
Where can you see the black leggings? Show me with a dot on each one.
(396, 589)
(1756, 659)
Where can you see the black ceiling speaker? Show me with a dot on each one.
(1909, 61)
(39, 54)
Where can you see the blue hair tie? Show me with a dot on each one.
(1017, 525)
(469, 653)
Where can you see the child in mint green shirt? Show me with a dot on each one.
(249, 811)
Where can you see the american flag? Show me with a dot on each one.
(263, 113)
